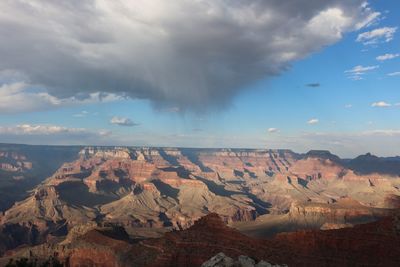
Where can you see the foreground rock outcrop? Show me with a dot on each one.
(221, 260)
(372, 244)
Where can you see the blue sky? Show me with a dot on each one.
(313, 102)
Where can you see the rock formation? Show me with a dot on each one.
(221, 260)
(372, 244)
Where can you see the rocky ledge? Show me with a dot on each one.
(209, 242)
(221, 260)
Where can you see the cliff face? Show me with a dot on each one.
(24, 167)
(370, 164)
(14, 162)
(343, 213)
(170, 188)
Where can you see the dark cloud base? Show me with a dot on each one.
(187, 54)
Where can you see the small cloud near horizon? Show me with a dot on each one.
(273, 130)
(381, 104)
(121, 121)
(313, 121)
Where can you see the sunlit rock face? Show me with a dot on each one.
(14, 162)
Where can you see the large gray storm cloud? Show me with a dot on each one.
(186, 54)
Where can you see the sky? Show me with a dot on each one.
(297, 75)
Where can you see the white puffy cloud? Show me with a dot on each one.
(397, 73)
(384, 34)
(273, 130)
(29, 129)
(358, 71)
(313, 121)
(52, 134)
(185, 54)
(20, 97)
(121, 121)
(387, 57)
(381, 104)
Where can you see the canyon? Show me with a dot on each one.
(143, 198)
